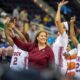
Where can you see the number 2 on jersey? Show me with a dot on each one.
(15, 61)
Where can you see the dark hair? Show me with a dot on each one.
(36, 41)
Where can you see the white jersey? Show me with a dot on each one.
(59, 47)
(19, 59)
(78, 62)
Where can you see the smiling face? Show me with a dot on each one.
(42, 37)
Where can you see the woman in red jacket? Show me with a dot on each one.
(40, 54)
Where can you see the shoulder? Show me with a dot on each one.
(64, 34)
(48, 48)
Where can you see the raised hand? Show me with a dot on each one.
(6, 20)
(12, 34)
(63, 2)
(73, 19)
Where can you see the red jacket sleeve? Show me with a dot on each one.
(22, 45)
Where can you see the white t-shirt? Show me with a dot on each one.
(19, 59)
(59, 47)
(60, 44)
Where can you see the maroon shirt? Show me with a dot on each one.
(38, 59)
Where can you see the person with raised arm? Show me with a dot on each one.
(19, 59)
(60, 45)
(40, 54)
(76, 43)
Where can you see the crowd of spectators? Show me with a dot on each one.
(29, 28)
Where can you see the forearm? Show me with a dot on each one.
(72, 31)
(10, 41)
(58, 15)
(20, 34)
(72, 34)
(9, 38)
(58, 22)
